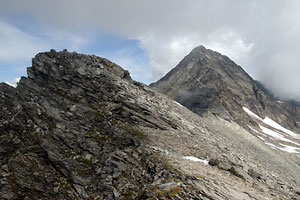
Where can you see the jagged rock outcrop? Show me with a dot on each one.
(68, 131)
(206, 81)
(78, 127)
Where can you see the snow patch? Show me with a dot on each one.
(272, 133)
(192, 158)
(275, 125)
(260, 138)
(252, 114)
(279, 133)
(272, 123)
(253, 129)
(178, 103)
(271, 145)
(285, 148)
(276, 135)
(289, 149)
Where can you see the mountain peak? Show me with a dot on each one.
(201, 51)
(207, 81)
(199, 48)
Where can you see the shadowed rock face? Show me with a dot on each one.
(206, 81)
(78, 127)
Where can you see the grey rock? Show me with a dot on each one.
(67, 138)
(82, 71)
(116, 193)
(213, 162)
(94, 134)
(240, 173)
(224, 166)
(254, 174)
(168, 186)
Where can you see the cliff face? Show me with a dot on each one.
(78, 127)
(206, 81)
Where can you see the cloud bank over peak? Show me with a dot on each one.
(261, 36)
(170, 52)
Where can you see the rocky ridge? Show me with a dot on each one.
(78, 127)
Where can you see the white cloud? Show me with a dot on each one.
(17, 45)
(166, 53)
(254, 33)
(231, 44)
(137, 66)
(14, 82)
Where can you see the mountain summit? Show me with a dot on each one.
(79, 127)
(207, 81)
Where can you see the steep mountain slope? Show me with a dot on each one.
(206, 81)
(78, 127)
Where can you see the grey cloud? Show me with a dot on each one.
(261, 36)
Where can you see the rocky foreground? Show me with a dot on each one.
(78, 127)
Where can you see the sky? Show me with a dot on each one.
(149, 38)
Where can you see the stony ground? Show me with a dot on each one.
(78, 127)
(246, 168)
